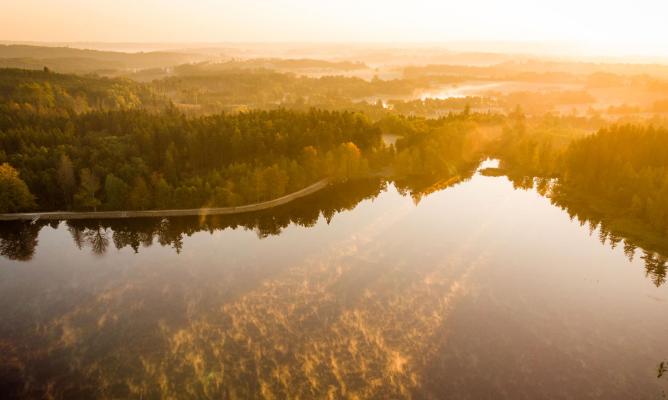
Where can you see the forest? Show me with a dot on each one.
(83, 143)
(617, 176)
(43, 92)
(75, 142)
(111, 160)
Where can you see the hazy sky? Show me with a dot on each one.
(628, 27)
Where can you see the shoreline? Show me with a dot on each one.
(64, 215)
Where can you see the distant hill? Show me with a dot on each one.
(276, 64)
(71, 60)
(537, 68)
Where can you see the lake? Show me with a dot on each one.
(479, 290)
(487, 88)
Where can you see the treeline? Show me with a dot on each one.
(547, 71)
(628, 167)
(436, 148)
(86, 61)
(536, 147)
(431, 107)
(135, 159)
(433, 154)
(19, 239)
(46, 92)
(277, 64)
(226, 90)
(199, 90)
(618, 175)
(205, 89)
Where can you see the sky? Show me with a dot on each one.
(608, 27)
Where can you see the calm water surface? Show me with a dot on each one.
(478, 291)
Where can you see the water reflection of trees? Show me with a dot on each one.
(652, 255)
(18, 240)
(420, 186)
(326, 327)
(654, 250)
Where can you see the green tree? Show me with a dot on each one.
(162, 191)
(66, 179)
(14, 193)
(89, 184)
(348, 162)
(116, 191)
(140, 197)
(277, 181)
